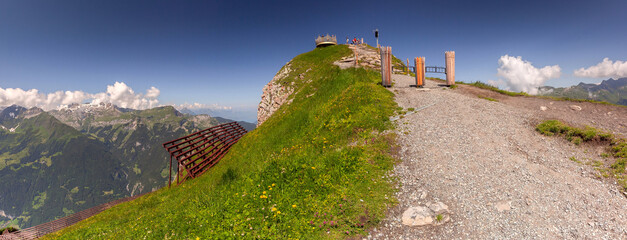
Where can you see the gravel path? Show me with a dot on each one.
(499, 178)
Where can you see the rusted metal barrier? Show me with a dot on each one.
(61, 223)
(386, 66)
(199, 151)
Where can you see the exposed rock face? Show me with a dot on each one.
(274, 95)
(366, 57)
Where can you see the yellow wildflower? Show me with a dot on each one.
(273, 209)
(313, 167)
(294, 205)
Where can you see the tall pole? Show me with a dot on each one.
(376, 35)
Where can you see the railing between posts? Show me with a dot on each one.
(61, 223)
(199, 151)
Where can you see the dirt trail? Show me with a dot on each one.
(499, 178)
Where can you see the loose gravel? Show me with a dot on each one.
(499, 177)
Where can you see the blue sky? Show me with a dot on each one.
(223, 52)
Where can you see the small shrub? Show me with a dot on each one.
(9, 229)
(620, 150)
(488, 98)
(550, 127)
(411, 109)
(439, 218)
(577, 140)
(605, 136)
(454, 86)
(228, 176)
(589, 133)
(619, 165)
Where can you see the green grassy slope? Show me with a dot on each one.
(316, 169)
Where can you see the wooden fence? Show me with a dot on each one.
(199, 151)
(61, 223)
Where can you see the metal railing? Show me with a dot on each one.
(61, 223)
(403, 68)
(433, 69)
(199, 151)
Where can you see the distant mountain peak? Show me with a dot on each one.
(610, 90)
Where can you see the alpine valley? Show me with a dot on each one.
(59, 162)
(611, 90)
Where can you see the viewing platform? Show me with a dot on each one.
(323, 41)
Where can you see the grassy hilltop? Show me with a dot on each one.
(316, 169)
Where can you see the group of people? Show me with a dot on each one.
(354, 41)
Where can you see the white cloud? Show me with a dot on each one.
(32, 98)
(520, 75)
(604, 69)
(193, 106)
(119, 94)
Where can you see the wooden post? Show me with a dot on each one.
(386, 66)
(450, 67)
(420, 71)
(389, 59)
(407, 71)
(383, 66)
(170, 175)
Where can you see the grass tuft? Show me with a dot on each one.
(617, 147)
(488, 98)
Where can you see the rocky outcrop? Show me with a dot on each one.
(366, 57)
(274, 95)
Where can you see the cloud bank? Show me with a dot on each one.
(193, 106)
(119, 94)
(604, 69)
(521, 76)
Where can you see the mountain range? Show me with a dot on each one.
(611, 90)
(59, 162)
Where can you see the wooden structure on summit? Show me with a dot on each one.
(323, 41)
(199, 151)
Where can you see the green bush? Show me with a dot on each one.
(619, 165)
(9, 229)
